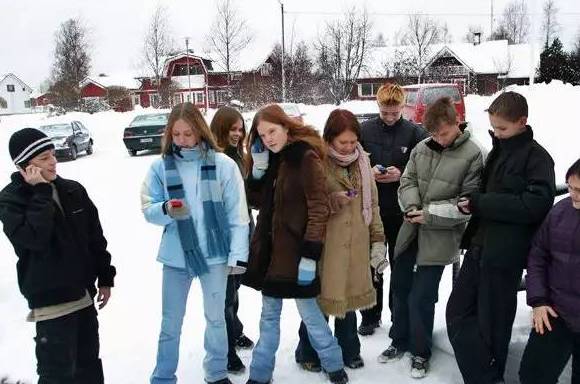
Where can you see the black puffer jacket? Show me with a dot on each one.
(390, 146)
(60, 254)
(517, 192)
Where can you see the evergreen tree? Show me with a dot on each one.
(555, 64)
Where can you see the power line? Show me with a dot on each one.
(335, 13)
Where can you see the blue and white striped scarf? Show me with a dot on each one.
(215, 219)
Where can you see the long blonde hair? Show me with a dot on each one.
(192, 116)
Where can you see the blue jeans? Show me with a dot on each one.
(176, 284)
(264, 355)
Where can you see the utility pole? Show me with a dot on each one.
(491, 20)
(283, 54)
(190, 99)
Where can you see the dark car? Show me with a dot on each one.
(145, 132)
(69, 139)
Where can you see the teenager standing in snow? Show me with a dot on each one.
(288, 185)
(389, 139)
(553, 289)
(56, 233)
(192, 177)
(229, 130)
(516, 193)
(354, 240)
(440, 171)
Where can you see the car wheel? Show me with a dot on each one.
(90, 148)
(132, 152)
(73, 152)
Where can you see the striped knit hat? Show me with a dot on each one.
(27, 143)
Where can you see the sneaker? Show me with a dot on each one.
(222, 381)
(368, 329)
(243, 342)
(235, 365)
(390, 354)
(338, 377)
(311, 366)
(355, 363)
(250, 381)
(419, 367)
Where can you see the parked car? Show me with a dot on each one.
(145, 132)
(293, 110)
(69, 139)
(419, 96)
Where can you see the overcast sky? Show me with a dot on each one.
(117, 27)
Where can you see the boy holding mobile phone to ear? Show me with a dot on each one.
(57, 236)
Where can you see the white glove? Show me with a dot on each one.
(379, 260)
(260, 157)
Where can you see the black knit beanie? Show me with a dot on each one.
(27, 143)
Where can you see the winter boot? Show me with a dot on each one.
(338, 377)
(244, 342)
(368, 329)
(355, 363)
(419, 367)
(235, 365)
(390, 354)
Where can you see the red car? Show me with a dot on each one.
(419, 96)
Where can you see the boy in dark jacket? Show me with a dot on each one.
(389, 140)
(57, 236)
(517, 191)
(553, 288)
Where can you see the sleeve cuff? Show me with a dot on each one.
(538, 302)
(107, 279)
(311, 249)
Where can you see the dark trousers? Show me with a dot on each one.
(546, 355)
(67, 349)
(415, 292)
(480, 315)
(234, 326)
(391, 223)
(344, 331)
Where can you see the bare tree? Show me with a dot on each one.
(502, 66)
(229, 34)
(158, 43)
(550, 25)
(421, 33)
(446, 36)
(341, 52)
(71, 62)
(380, 40)
(515, 22)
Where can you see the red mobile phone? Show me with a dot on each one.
(176, 203)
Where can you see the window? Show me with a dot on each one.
(199, 99)
(432, 94)
(27, 104)
(211, 97)
(266, 69)
(221, 96)
(10, 87)
(411, 97)
(369, 89)
(181, 69)
(154, 100)
(136, 100)
(3, 103)
(177, 98)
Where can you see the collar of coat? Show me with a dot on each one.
(293, 153)
(513, 142)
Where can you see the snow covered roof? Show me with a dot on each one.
(247, 61)
(4, 76)
(128, 82)
(489, 57)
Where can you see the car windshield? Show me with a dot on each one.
(56, 129)
(291, 109)
(432, 94)
(151, 119)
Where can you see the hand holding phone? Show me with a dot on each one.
(32, 174)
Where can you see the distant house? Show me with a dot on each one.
(14, 95)
(479, 68)
(97, 88)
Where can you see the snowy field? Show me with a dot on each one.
(129, 325)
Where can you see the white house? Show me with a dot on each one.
(14, 95)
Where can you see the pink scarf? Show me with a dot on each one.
(366, 175)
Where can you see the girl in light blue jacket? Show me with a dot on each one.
(197, 194)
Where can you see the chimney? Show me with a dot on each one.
(476, 38)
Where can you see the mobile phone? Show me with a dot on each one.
(351, 192)
(176, 203)
(412, 214)
(381, 169)
(258, 145)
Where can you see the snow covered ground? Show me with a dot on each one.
(129, 325)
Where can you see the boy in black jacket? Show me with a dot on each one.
(57, 236)
(517, 191)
